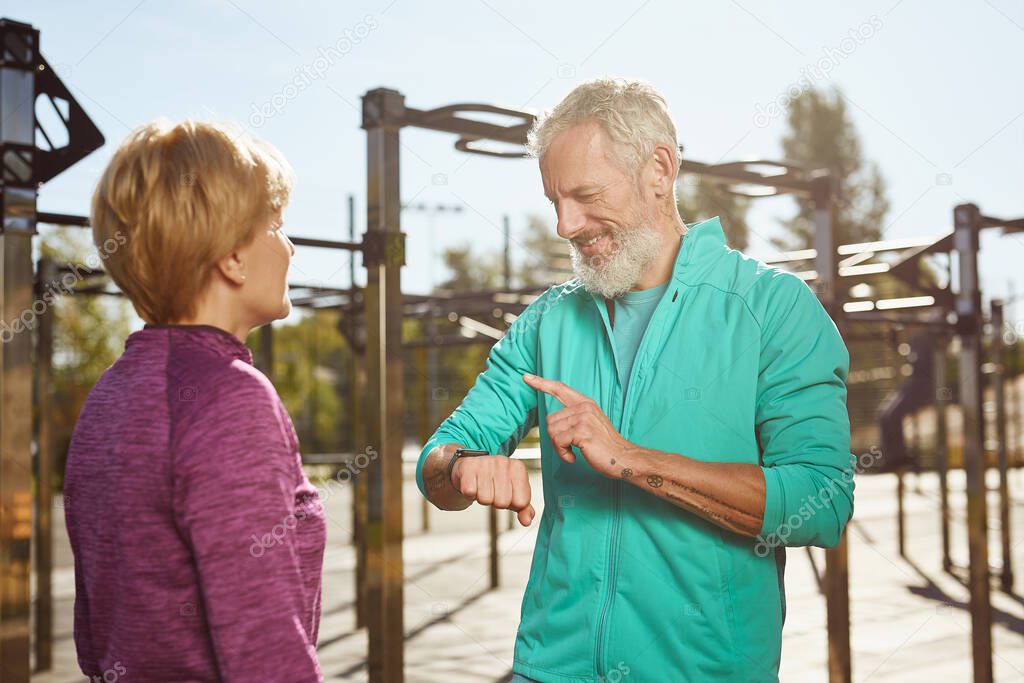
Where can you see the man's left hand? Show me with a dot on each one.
(583, 424)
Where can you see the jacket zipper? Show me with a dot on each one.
(616, 494)
(617, 484)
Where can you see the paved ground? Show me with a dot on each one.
(909, 619)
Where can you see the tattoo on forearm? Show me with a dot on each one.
(739, 525)
(627, 473)
(732, 517)
(696, 492)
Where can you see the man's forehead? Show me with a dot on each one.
(578, 157)
(587, 138)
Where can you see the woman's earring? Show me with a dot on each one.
(243, 277)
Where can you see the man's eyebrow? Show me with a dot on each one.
(585, 189)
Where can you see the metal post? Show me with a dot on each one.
(493, 530)
(999, 389)
(942, 397)
(506, 260)
(837, 580)
(18, 59)
(966, 219)
(423, 417)
(901, 532)
(360, 486)
(494, 534)
(383, 256)
(357, 373)
(44, 471)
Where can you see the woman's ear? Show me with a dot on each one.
(232, 268)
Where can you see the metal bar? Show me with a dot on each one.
(901, 531)
(1007, 224)
(494, 534)
(783, 183)
(325, 244)
(360, 490)
(897, 319)
(999, 389)
(357, 373)
(942, 398)
(444, 119)
(967, 222)
(383, 112)
(45, 459)
(62, 219)
(506, 254)
(423, 418)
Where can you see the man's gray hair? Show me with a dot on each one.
(632, 113)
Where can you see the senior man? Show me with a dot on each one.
(692, 410)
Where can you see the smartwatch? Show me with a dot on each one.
(462, 453)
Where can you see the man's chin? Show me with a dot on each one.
(601, 286)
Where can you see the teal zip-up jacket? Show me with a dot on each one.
(739, 363)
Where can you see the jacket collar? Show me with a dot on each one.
(703, 244)
(211, 339)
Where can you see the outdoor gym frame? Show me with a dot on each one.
(25, 77)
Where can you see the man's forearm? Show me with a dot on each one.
(437, 482)
(728, 494)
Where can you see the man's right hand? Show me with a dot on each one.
(497, 481)
(493, 480)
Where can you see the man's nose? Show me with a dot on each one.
(571, 219)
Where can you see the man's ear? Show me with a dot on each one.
(663, 170)
(232, 268)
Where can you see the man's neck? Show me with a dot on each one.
(661, 270)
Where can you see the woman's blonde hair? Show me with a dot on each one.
(632, 113)
(177, 198)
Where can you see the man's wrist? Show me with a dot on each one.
(459, 453)
(631, 461)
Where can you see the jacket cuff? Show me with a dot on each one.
(774, 504)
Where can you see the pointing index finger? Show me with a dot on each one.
(563, 392)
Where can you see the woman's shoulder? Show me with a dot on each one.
(228, 392)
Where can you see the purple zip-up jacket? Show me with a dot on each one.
(198, 540)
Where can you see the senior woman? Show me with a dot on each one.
(198, 540)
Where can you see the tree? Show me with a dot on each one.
(89, 331)
(701, 198)
(545, 258)
(470, 270)
(821, 135)
(311, 363)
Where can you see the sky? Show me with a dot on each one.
(933, 89)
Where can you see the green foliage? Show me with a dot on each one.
(89, 332)
(821, 135)
(312, 374)
(544, 255)
(470, 270)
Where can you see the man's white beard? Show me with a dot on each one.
(634, 249)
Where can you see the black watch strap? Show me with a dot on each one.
(463, 453)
